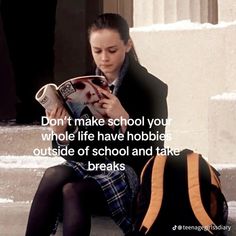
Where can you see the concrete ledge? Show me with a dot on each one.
(228, 180)
(14, 216)
(19, 184)
(222, 131)
(101, 226)
(197, 62)
(20, 175)
(21, 140)
(232, 218)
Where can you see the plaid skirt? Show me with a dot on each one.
(119, 188)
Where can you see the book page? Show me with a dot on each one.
(48, 97)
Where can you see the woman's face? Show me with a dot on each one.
(108, 51)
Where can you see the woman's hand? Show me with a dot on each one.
(111, 107)
(58, 113)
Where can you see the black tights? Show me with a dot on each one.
(79, 197)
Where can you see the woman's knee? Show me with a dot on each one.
(71, 190)
(78, 190)
(58, 173)
(55, 177)
(83, 192)
(52, 172)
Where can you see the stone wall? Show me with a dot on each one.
(197, 62)
(189, 44)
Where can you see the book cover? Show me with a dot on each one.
(75, 94)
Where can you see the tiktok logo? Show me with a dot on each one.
(174, 227)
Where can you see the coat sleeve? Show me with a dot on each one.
(146, 97)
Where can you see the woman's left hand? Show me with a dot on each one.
(111, 107)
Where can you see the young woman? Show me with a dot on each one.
(72, 188)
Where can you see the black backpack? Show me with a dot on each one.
(180, 195)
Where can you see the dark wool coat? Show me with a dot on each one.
(142, 95)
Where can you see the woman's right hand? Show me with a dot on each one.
(58, 113)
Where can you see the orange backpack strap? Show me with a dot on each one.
(156, 192)
(144, 169)
(214, 179)
(195, 194)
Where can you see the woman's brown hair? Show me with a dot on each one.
(115, 22)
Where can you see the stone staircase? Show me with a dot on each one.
(17, 187)
(20, 173)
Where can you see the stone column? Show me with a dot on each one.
(143, 12)
(195, 10)
(213, 11)
(170, 11)
(204, 11)
(158, 16)
(122, 7)
(183, 9)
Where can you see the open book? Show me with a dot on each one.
(77, 95)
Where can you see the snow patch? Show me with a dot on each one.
(225, 96)
(5, 200)
(20, 128)
(232, 203)
(29, 161)
(182, 25)
(224, 166)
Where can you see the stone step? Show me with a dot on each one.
(19, 178)
(20, 175)
(232, 218)
(21, 140)
(14, 216)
